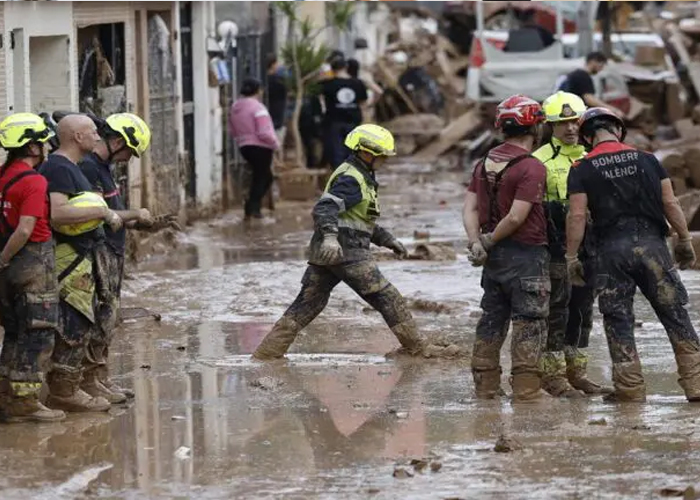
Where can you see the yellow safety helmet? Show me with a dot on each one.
(20, 129)
(133, 129)
(563, 106)
(371, 138)
(83, 200)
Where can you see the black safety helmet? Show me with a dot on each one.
(597, 118)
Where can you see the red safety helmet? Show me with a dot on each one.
(595, 118)
(519, 111)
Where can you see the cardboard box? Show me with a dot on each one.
(648, 55)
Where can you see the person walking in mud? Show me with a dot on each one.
(74, 262)
(563, 364)
(630, 199)
(345, 225)
(505, 222)
(28, 286)
(254, 133)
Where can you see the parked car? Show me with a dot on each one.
(494, 74)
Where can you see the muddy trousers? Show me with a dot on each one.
(516, 287)
(108, 269)
(643, 260)
(570, 322)
(260, 161)
(29, 308)
(318, 282)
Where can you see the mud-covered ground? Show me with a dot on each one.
(338, 420)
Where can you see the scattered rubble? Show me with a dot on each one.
(688, 493)
(598, 421)
(266, 383)
(401, 473)
(423, 305)
(434, 251)
(507, 445)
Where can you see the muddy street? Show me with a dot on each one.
(338, 420)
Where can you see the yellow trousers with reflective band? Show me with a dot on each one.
(78, 288)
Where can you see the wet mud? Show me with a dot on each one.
(338, 419)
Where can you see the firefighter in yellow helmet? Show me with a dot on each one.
(563, 364)
(124, 135)
(74, 260)
(28, 286)
(345, 225)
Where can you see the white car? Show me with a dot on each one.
(494, 74)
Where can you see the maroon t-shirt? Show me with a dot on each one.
(524, 181)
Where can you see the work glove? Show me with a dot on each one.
(684, 253)
(487, 242)
(157, 223)
(397, 247)
(575, 270)
(330, 252)
(113, 220)
(477, 254)
(145, 217)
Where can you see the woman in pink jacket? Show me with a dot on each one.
(252, 129)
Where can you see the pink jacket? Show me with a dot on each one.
(251, 125)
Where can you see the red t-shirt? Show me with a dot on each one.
(26, 197)
(524, 181)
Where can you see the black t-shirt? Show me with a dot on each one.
(343, 97)
(621, 183)
(579, 82)
(99, 174)
(276, 99)
(65, 177)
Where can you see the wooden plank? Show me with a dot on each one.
(676, 40)
(451, 135)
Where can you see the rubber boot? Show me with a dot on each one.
(487, 377)
(411, 342)
(277, 342)
(65, 393)
(576, 372)
(23, 405)
(526, 344)
(95, 388)
(629, 383)
(688, 361)
(554, 381)
(103, 376)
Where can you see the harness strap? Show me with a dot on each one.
(492, 187)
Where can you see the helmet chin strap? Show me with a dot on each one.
(111, 154)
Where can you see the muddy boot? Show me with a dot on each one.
(554, 381)
(65, 393)
(103, 377)
(487, 377)
(689, 372)
(576, 372)
(277, 342)
(95, 388)
(411, 343)
(526, 344)
(23, 405)
(628, 382)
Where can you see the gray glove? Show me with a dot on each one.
(684, 253)
(575, 271)
(398, 248)
(330, 252)
(477, 254)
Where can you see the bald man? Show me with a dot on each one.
(68, 390)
